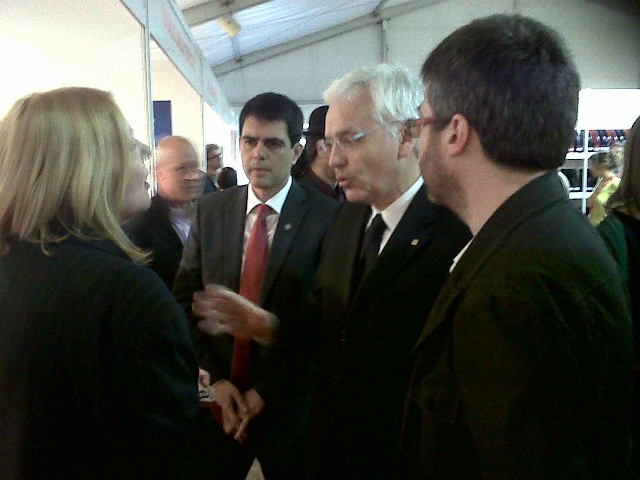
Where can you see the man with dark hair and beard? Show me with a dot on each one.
(524, 366)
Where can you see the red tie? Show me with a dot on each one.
(255, 264)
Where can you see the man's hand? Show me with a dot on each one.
(233, 405)
(256, 406)
(226, 311)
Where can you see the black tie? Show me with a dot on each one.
(371, 243)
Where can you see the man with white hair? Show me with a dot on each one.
(383, 262)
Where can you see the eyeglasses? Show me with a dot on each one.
(415, 125)
(346, 141)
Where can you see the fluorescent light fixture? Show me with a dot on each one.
(229, 24)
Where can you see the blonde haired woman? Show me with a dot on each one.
(98, 377)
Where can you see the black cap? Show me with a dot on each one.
(316, 122)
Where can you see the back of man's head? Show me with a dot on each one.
(516, 83)
(271, 107)
(227, 178)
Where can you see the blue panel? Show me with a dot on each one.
(161, 119)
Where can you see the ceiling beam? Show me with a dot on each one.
(293, 45)
(205, 12)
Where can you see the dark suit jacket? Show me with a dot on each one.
(369, 331)
(524, 365)
(213, 254)
(97, 371)
(309, 179)
(152, 230)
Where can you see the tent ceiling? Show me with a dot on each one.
(272, 27)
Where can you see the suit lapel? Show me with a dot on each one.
(160, 211)
(293, 212)
(537, 195)
(232, 236)
(410, 237)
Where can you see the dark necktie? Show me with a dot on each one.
(371, 243)
(255, 264)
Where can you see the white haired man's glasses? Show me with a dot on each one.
(346, 141)
(349, 142)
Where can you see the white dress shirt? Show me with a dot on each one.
(394, 212)
(276, 202)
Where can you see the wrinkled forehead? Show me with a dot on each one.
(349, 114)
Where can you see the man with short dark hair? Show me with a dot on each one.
(227, 178)
(263, 393)
(164, 227)
(524, 366)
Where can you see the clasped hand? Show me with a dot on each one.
(237, 409)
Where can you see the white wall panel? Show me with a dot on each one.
(93, 44)
(304, 74)
(604, 42)
(167, 83)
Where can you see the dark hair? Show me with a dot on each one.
(627, 196)
(227, 177)
(298, 168)
(514, 80)
(271, 107)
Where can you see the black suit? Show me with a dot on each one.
(152, 230)
(213, 254)
(369, 331)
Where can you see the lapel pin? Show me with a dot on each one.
(287, 226)
(414, 242)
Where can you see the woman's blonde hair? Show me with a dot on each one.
(65, 160)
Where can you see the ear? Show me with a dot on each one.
(457, 134)
(297, 151)
(319, 150)
(407, 143)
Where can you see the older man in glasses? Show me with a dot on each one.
(382, 266)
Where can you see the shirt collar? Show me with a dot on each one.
(394, 212)
(181, 214)
(276, 202)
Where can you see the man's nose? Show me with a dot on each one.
(195, 174)
(259, 151)
(336, 157)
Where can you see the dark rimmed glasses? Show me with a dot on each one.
(414, 125)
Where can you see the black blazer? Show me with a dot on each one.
(98, 376)
(524, 365)
(369, 331)
(152, 230)
(213, 254)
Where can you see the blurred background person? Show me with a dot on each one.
(164, 227)
(621, 232)
(317, 174)
(214, 164)
(604, 167)
(227, 178)
(97, 371)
